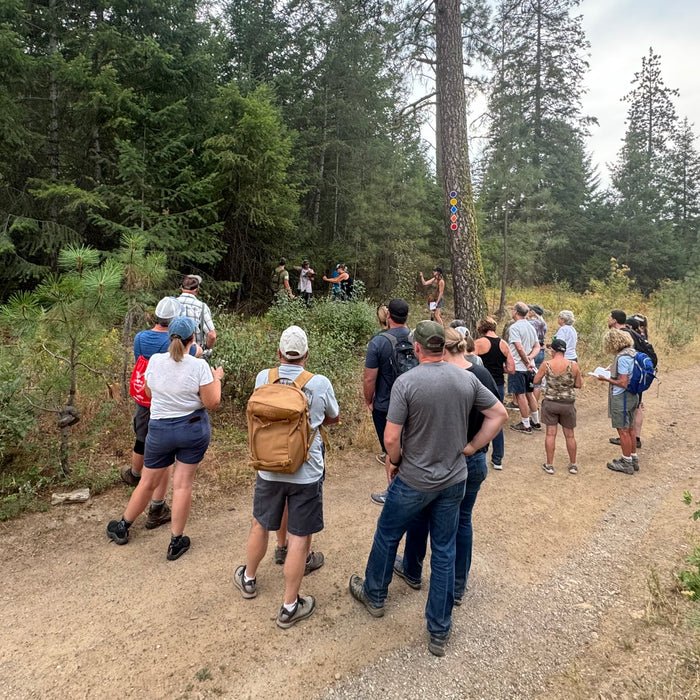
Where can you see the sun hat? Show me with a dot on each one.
(293, 343)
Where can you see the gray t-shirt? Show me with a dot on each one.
(322, 403)
(522, 332)
(432, 403)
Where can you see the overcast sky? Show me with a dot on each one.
(620, 33)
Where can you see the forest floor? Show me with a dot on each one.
(571, 592)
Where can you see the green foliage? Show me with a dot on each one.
(676, 304)
(16, 415)
(690, 578)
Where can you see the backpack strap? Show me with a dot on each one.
(303, 378)
(273, 375)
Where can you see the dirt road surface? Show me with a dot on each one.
(559, 603)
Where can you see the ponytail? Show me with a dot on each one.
(178, 346)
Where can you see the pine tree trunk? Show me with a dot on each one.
(467, 271)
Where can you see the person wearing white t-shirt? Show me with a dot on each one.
(181, 387)
(524, 346)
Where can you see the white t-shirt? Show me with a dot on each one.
(175, 385)
(569, 335)
(524, 333)
(304, 281)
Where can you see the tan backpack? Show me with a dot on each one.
(279, 430)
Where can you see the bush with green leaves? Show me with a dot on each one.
(16, 415)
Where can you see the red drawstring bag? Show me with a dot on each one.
(137, 386)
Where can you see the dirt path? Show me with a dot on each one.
(557, 607)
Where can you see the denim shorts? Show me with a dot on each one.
(184, 439)
(305, 503)
(521, 383)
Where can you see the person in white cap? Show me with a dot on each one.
(198, 311)
(299, 495)
(146, 344)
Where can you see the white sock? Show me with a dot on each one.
(535, 416)
(247, 578)
(526, 422)
(626, 459)
(634, 456)
(290, 608)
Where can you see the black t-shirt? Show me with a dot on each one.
(476, 418)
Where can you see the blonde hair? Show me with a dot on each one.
(455, 344)
(383, 316)
(615, 340)
(178, 347)
(484, 325)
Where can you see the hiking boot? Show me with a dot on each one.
(118, 531)
(177, 548)
(313, 561)
(635, 463)
(496, 465)
(398, 570)
(357, 591)
(248, 589)
(128, 477)
(616, 441)
(549, 468)
(381, 459)
(157, 516)
(520, 428)
(280, 554)
(304, 608)
(436, 645)
(536, 426)
(379, 498)
(618, 465)
(573, 469)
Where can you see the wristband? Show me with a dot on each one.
(396, 465)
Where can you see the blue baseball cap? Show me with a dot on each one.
(182, 326)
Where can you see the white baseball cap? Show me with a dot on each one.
(293, 343)
(167, 308)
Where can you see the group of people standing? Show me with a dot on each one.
(341, 281)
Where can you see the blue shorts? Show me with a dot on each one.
(184, 439)
(521, 383)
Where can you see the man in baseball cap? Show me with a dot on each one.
(198, 311)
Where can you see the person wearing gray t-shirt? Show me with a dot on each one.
(426, 441)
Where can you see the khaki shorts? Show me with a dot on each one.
(622, 409)
(559, 413)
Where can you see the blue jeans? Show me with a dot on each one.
(417, 534)
(441, 511)
(497, 445)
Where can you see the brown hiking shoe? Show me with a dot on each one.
(128, 477)
(157, 516)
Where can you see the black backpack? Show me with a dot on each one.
(403, 357)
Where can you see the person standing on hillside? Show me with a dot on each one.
(426, 442)
(280, 281)
(568, 334)
(198, 311)
(300, 493)
(379, 375)
(340, 275)
(306, 277)
(558, 407)
(437, 292)
(524, 345)
(497, 359)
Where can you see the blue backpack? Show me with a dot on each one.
(642, 374)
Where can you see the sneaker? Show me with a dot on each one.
(635, 463)
(313, 561)
(573, 468)
(398, 570)
(248, 589)
(304, 608)
(379, 498)
(357, 591)
(437, 645)
(157, 515)
(381, 459)
(549, 468)
(616, 441)
(536, 426)
(128, 477)
(458, 601)
(497, 465)
(178, 548)
(512, 406)
(280, 554)
(618, 465)
(117, 531)
(520, 428)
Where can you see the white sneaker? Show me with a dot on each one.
(496, 465)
